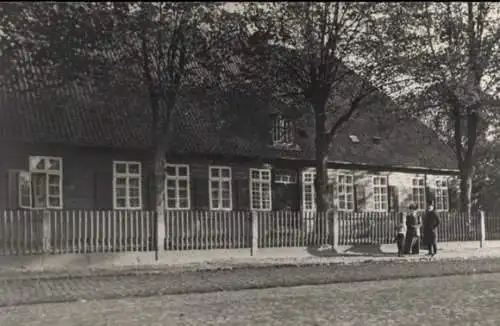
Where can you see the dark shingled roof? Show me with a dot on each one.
(209, 120)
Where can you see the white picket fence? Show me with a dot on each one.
(25, 232)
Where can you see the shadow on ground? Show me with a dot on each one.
(370, 250)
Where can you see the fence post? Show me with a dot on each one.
(160, 231)
(335, 229)
(46, 231)
(255, 233)
(482, 227)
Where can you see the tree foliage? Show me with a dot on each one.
(452, 53)
(330, 56)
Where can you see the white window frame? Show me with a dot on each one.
(127, 176)
(420, 185)
(282, 128)
(442, 195)
(259, 182)
(220, 180)
(47, 172)
(383, 195)
(308, 178)
(178, 178)
(285, 176)
(24, 178)
(346, 193)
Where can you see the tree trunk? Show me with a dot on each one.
(159, 156)
(466, 192)
(321, 180)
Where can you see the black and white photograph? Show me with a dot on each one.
(249, 163)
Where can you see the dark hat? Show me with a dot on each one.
(430, 202)
(412, 206)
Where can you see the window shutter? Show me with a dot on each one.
(13, 189)
(242, 187)
(393, 199)
(360, 197)
(103, 190)
(199, 193)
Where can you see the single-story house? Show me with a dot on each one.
(84, 147)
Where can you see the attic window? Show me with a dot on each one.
(354, 139)
(282, 130)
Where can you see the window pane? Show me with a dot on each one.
(183, 203)
(226, 203)
(54, 179)
(121, 182)
(225, 185)
(121, 202)
(54, 191)
(120, 168)
(183, 171)
(183, 184)
(53, 165)
(135, 203)
(182, 193)
(255, 174)
(121, 192)
(133, 168)
(215, 203)
(171, 194)
(226, 173)
(214, 172)
(266, 175)
(54, 202)
(171, 184)
(134, 182)
(170, 170)
(215, 194)
(226, 194)
(37, 163)
(133, 192)
(214, 184)
(171, 203)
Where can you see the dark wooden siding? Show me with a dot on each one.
(87, 172)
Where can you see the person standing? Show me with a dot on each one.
(400, 235)
(431, 222)
(412, 243)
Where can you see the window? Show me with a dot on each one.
(260, 189)
(25, 194)
(220, 188)
(308, 191)
(41, 187)
(282, 131)
(418, 193)
(285, 176)
(127, 185)
(380, 197)
(177, 186)
(442, 197)
(345, 192)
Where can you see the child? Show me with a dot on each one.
(400, 234)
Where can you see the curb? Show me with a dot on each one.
(222, 266)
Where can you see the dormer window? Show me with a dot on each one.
(282, 130)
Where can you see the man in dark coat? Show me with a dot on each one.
(431, 222)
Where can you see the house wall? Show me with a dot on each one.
(87, 172)
(88, 179)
